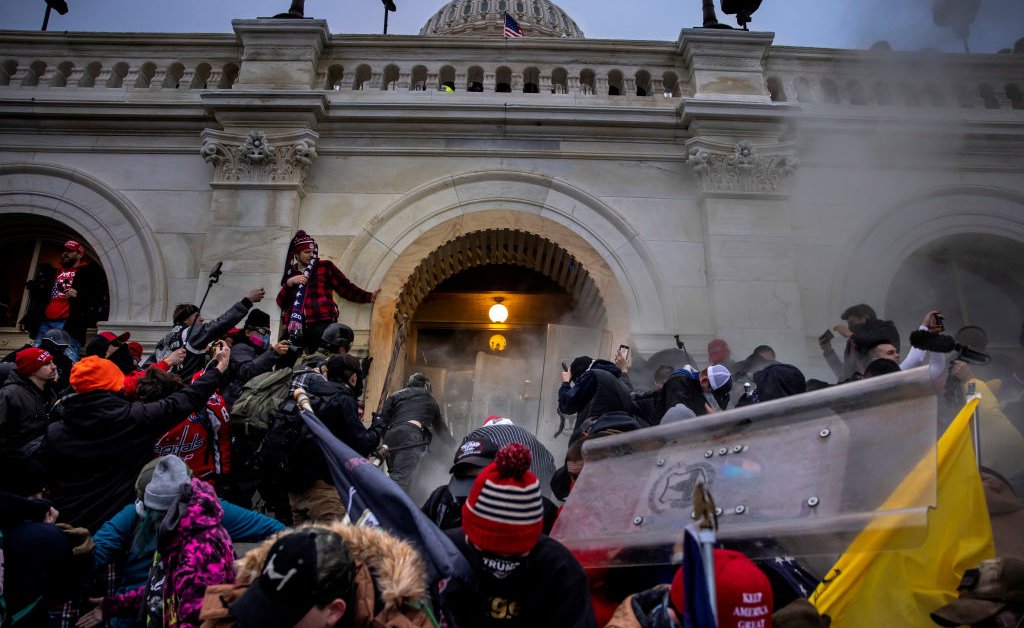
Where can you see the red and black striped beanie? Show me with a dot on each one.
(504, 513)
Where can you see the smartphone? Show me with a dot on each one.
(939, 319)
(827, 336)
(565, 367)
(624, 351)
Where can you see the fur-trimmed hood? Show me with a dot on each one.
(394, 564)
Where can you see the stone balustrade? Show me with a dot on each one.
(653, 71)
(915, 79)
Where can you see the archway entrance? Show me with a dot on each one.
(975, 279)
(29, 242)
(482, 365)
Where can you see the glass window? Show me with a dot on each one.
(502, 5)
(520, 7)
(552, 16)
(536, 9)
(484, 5)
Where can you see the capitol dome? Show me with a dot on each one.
(537, 18)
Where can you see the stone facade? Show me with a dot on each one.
(712, 186)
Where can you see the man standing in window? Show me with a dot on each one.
(69, 297)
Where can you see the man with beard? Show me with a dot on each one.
(70, 297)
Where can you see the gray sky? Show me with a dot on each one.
(907, 24)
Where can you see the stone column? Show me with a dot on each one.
(742, 171)
(260, 156)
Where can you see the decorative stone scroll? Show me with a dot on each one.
(744, 170)
(258, 159)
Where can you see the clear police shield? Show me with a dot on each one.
(803, 474)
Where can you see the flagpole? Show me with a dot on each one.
(975, 427)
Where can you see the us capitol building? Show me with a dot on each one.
(605, 191)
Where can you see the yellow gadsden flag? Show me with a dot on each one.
(870, 586)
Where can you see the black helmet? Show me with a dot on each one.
(338, 336)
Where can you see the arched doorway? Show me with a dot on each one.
(974, 278)
(482, 365)
(28, 242)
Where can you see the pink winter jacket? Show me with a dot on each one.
(197, 553)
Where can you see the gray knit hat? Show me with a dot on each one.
(678, 412)
(168, 477)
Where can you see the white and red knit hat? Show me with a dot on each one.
(504, 513)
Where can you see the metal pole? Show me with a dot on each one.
(385, 19)
(46, 16)
(975, 427)
(707, 548)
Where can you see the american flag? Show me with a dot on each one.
(512, 27)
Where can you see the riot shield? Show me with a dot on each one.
(806, 473)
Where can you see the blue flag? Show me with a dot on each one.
(372, 499)
(698, 613)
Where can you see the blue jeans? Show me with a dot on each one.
(48, 324)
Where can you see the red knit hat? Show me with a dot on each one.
(743, 591)
(96, 373)
(302, 241)
(28, 361)
(504, 513)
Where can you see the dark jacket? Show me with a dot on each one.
(597, 391)
(334, 403)
(100, 441)
(88, 307)
(246, 363)
(414, 404)
(547, 587)
(23, 411)
(195, 339)
(682, 387)
(864, 336)
(38, 560)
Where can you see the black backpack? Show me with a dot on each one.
(282, 458)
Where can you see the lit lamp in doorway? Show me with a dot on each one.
(498, 312)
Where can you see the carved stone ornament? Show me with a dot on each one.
(744, 170)
(255, 158)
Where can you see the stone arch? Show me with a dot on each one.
(880, 248)
(109, 222)
(394, 244)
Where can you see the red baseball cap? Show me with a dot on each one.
(743, 592)
(135, 349)
(72, 245)
(110, 336)
(718, 350)
(28, 361)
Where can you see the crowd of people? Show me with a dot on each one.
(130, 488)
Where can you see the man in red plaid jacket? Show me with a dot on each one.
(307, 292)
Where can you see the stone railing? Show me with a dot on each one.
(894, 79)
(645, 70)
(540, 66)
(118, 61)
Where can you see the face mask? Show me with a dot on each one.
(259, 341)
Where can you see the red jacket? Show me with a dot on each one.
(319, 304)
(203, 441)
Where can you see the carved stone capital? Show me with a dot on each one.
(258, 160)
(740, 168)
